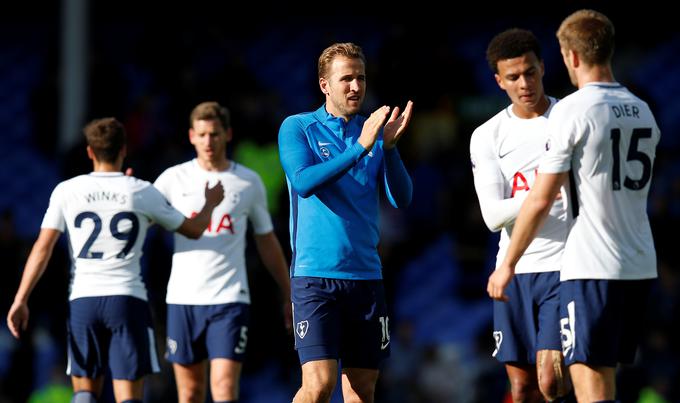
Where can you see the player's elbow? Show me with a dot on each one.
(493, 226)
(301, 189)
(540, 204)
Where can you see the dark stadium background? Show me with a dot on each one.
(148, 65)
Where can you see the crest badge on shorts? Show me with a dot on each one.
(301, 328)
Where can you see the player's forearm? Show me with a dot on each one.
(498, 213)
(306, 175)
(36, 264)
(271, 253)
(530, 219)
(398, 185)
(193, 227)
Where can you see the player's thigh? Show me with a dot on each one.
(365, 325)
(226, 335)
(191, 374)
(358, 384)
(546, 295)
(515, 323)
(185, 334)
(224, 378)
(596, 315)
(319, 374)
(191, 381)
(132, 352)
(316, 317)
(87, 339)
(128, 390)
(88, 384)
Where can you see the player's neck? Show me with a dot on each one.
(537, 110)
(221, 164)
(595, 74)
(99, 166)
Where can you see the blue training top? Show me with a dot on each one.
(333, 189)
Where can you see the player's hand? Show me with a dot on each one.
(396, 125)
(214, 195)
(17, 318)
(498, 281)
(129, 172)
(372, 125)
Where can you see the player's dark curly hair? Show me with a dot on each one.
(106, 137)
(509, 44)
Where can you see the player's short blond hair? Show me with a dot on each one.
(590, 34)
(347, 49)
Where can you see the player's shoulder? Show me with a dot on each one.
(488, 130)
(571, 104)
(299, 121)
(245, 173)
(178, 169)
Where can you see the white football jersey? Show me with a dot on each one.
(505, 152)
(607, 137)
(107, 215)
(212, 269)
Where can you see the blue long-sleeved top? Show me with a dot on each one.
(333, 187)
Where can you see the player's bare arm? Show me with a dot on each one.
(396, 125)
(17, 318)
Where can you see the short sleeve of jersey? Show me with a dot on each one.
(259, 214)
(563, 135)
(54, 217)
(163, 182)
(151, 202)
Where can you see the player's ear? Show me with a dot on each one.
(323, 84)
(499, 81)
(90, 153)
(230, 134)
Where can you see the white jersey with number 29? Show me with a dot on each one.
(607, 136)
(107, 215)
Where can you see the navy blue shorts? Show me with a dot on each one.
(114, 330)
(530, 320)
(344, 320)
(199, 332)
(602, 320)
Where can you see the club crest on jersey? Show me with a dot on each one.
(325, 152)
(233, 197)
(498, 338)
(301, 328)
(547, 145)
